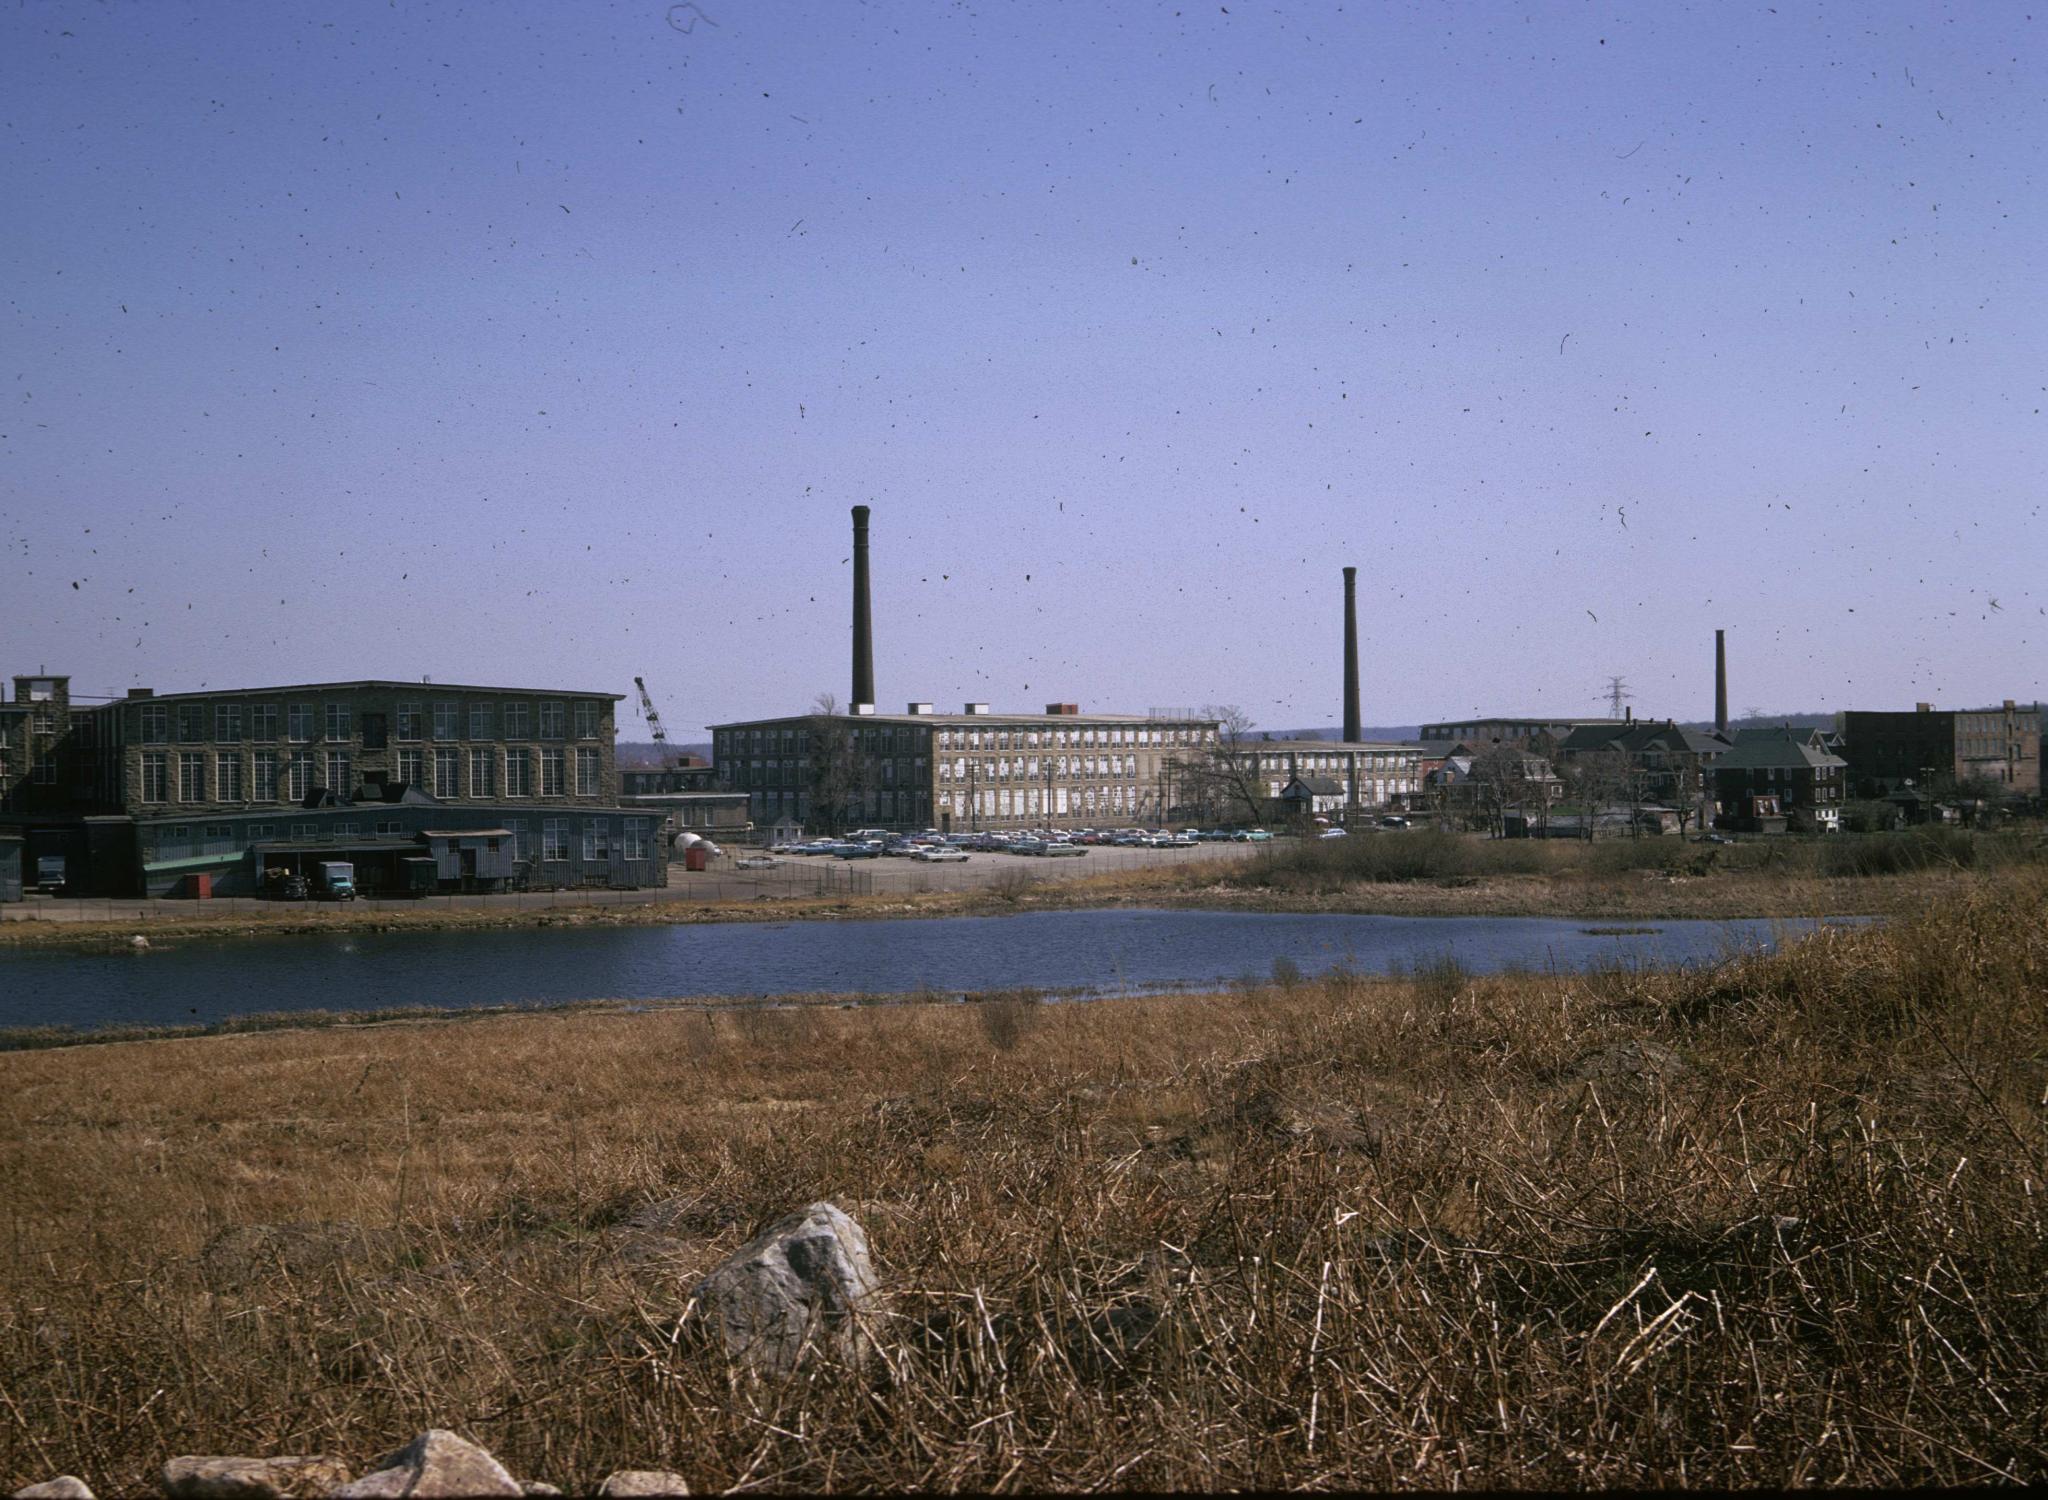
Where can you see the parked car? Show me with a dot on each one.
(859, 851)
(1393, 820)
(1333, 833)
(1062, 849)
(1028, 846)
(50, 876)
(757, 862)
(933, 854)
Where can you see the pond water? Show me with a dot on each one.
(1093, 953)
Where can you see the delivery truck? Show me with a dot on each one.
(335, 880)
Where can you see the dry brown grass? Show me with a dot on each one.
(1775, 1224)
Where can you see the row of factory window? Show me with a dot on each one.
(753, 773)
(896, 739)
(265, 775)
(1385, 761)
(1033, 768)
(1021, 737)
(339, 721)
(778, 772)
(993, 802)
(1037, 802)
(1371, 793)
(889, 806)
(636, 839)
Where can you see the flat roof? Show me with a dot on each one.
(964, 720)
(1539, 722)
(1324, 747)
(424, 689)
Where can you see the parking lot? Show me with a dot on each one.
(790, 876)
(801, 874)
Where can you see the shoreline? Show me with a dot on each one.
(1645, 897)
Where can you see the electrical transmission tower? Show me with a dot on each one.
(1617, 695)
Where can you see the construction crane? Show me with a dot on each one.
(652, 714)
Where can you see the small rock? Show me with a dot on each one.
(645, 1482)
(139, 943)
(247, 1253)
(537, 1487)
(1628, 1062)
(436, 1463)
(63, 1487)
(807, 1279)
(1330, 1123)
(201, 1478)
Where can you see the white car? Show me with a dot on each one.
(1333, 833)
(757, 862)
(933, 856)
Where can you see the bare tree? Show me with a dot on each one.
(1597, 779)
(1500, 780)
(1227, 778)
(841, 775)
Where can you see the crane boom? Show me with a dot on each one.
(649, 712)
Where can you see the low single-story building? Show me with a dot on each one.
(472, 849)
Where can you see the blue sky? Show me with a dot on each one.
(551, 343)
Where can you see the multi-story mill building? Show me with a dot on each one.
(957, 772)
(145, 791)
(1999, 745)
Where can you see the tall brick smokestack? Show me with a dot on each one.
(1720, 682)
(1351, 727)
(863, 626)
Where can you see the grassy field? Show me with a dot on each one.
(1776, 1223)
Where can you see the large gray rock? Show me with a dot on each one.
(644, 1482)
(807, 1281)
(194, 1477)
(63, 1487)
(436, 1463)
